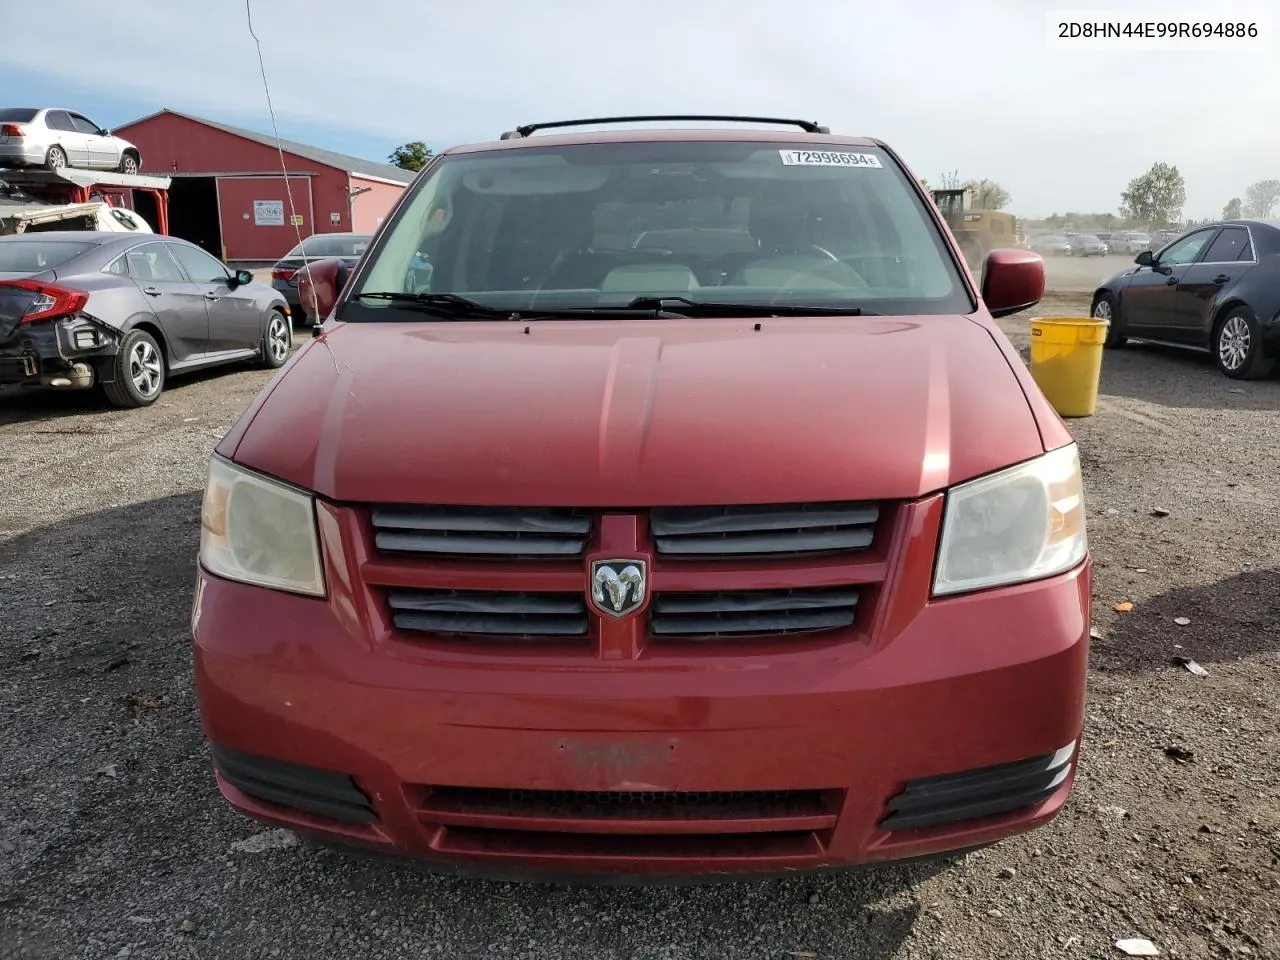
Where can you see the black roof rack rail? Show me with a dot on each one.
(808, 126)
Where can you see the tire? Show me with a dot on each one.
(56, 159)
(139, 371)
(1104, 308)
(1237, 346)
(129, 164)
(277, 341)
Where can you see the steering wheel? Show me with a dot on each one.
(826, 253)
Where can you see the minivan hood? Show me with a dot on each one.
(634, 413)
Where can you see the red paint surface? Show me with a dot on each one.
(616, 413)
(242, 238)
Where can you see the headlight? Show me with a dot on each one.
(1020, 524)
(259, 531)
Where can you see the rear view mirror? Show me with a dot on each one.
(319, 285)
(1145, 259)
(1012, 280)
(243, 278)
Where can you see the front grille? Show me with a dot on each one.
(735, 614)
(483, 533)
(323, 792)
(985, 792)
(488, 613)
(626, 804)
(762, 531)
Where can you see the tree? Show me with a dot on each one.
(1156, 197)
(987, 194)
(1232, 210)
(1261, 198)
(950, 181)
(411, 156)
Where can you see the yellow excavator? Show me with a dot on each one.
(977, 231)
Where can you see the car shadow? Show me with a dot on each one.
(1230, 619)
(96, 658)
(32, 405)
(1174, 377)
(1171, 377)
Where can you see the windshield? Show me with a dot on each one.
(17, 115)
(600, 225)
(32, 256)
(342, 245)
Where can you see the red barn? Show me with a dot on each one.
(229, 192)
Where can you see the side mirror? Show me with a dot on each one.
(320, 283)
(241, 278)
(1145, 259)
(1012, 280)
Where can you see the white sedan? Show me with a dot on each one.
(56, 139)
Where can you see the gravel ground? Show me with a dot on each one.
(114, 843)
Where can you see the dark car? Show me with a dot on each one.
(124, 311)
(1216, 288)
(347, 247)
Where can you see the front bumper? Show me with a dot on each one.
(952, 724)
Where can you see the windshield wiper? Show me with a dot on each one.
(703, 308)
(442, 304)
(455, 307)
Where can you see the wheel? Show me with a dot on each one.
(129, 164)
(57, 159)
(1237, 346)
(139, 371)
(277, 339)
(1104, 308)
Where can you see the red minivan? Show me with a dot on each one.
(651, 502)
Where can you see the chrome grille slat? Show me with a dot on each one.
(668, 521)
(745, 613)
(759, 531)
(480, 532)
(486, 613)
(477, 546)
(769, 543)
(755, 600)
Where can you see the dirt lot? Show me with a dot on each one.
(114, 843)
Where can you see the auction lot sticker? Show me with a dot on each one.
(821, 158)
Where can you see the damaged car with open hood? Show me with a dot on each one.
(651, 502)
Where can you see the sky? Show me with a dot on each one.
(976, 87)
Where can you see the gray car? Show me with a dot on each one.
(1087, 245)
(126, 311)
(55, 138)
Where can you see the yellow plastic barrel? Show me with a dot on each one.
(1066, 362)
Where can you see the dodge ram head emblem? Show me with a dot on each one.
(618, 587)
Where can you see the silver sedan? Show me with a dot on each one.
(127, 311)
(55, 138)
